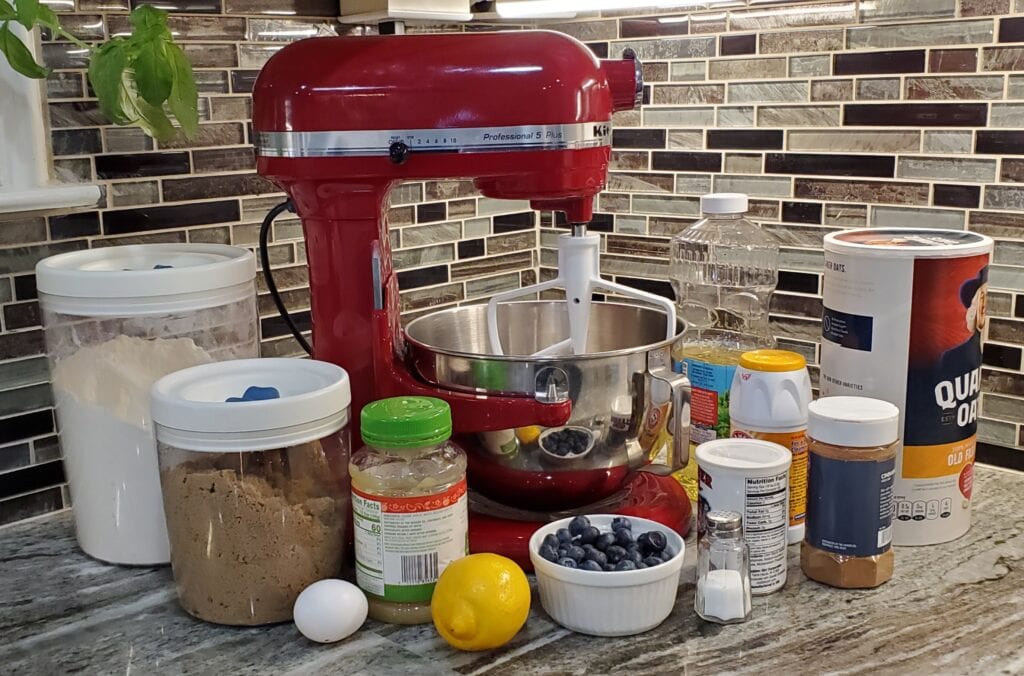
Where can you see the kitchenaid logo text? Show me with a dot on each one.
(960, 393)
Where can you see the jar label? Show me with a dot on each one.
(796, 442)
(709, 399)
(403, 544)
(763, 503)
(849, 505)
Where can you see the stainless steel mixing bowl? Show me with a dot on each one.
(624, 390)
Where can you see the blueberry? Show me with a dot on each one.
(634, 556)
(548, 552)
(641, 565)
(651, 561)
(597, 556)
(604, 541)
(623, 537)
(621, 522)
(589, 548)
(667, 554)
(576, 553)
(591, 565)
(550, 541)
(653, 541)
(625, 565)
(589, 535)
(609, 567)
(563, 535)
(567, 562)
(577, 525)
(615, 554)
(562, 552)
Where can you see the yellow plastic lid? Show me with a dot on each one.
(772, 360)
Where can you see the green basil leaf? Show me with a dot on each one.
(147, 17)
(106, 74)
(28, 11)
(47, 17)
(18, 55)
(154, 121)
(7, 11)
(154, 74)
(184, 99)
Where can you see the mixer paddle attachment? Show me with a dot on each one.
(579, 274)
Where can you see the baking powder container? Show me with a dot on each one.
(254, 472)
(768, 400)
(903, 322)
(116, 319)
(751, 477)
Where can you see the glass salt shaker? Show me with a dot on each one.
(723, 570)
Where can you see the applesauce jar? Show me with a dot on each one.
(409, 505)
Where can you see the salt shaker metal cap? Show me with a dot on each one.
(723, 521)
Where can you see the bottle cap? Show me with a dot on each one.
(721, 521)
(774, 361)
(406, 422)
(724, 203)
(857, 422)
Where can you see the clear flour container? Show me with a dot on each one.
(254, 470)
(115, 321)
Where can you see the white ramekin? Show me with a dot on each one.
(616, 603)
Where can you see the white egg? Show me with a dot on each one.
(330, 610)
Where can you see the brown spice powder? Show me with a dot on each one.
(250, 531)
(839, 570)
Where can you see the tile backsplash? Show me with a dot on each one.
(829, 114)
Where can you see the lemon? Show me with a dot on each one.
(480, 602)
(528, 434)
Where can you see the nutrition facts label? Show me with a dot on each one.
(765, 522)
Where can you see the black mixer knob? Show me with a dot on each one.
(398, 152)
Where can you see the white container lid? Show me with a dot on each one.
(724, 203)
(908, 242)
(857, 422)
(191, 410)
(144, 278)
(770, 400)
(747, 456)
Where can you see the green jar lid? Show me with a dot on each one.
(406, 422)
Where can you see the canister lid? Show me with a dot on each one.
(724, 203)
(250, 404)
(406, 422)
(752, 457)
(774, 361)
(143, 277)
(908, 242)
(857, 422)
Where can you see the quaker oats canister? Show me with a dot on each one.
(903, 321)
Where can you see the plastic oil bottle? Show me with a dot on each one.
(724, 270)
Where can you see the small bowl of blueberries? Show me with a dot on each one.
(566, 443)
(607, 575)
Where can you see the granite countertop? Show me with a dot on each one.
(953, 608)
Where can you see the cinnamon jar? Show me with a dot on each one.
(852, 445)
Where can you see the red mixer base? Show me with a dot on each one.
(648, 496)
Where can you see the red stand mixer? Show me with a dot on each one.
(527, 116)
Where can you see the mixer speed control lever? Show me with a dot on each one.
(398, 152)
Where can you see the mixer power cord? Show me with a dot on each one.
(268, 275)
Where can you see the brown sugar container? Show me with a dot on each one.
(852, 445)
(254, 472)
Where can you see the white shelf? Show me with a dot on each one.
(49, 197)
